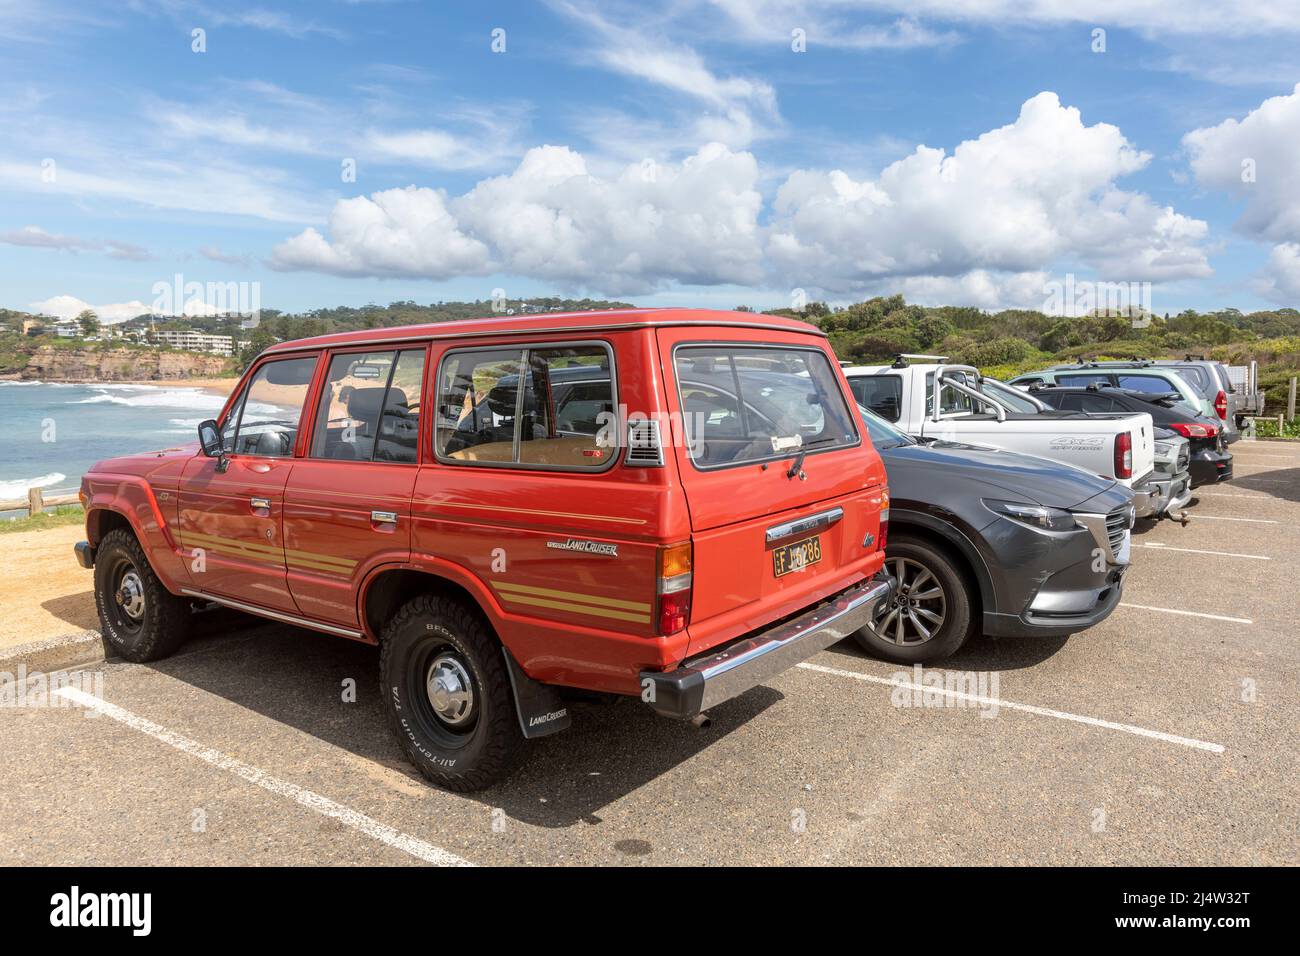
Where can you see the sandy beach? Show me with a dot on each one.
(44, 592)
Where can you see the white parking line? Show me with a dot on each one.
(1217, 554)
(1199, 517)
(307, 798)
(1172, 610)
(1027, 708)
(1225, 494)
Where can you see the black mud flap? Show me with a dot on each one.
(541, 712)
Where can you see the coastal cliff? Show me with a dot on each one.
(47, 364)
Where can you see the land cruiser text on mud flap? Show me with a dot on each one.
(673, 505)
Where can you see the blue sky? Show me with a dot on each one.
(681, 153)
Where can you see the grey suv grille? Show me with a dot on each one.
(1184, 456)
(1116, 525)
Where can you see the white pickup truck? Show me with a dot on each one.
(1119, 446)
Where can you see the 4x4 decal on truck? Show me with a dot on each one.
(596, 605)
(1082, 443)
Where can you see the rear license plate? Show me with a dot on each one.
(797, 556)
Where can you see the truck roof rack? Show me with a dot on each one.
(1194, 358)
(904, 359)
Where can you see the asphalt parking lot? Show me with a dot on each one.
(1170, 734)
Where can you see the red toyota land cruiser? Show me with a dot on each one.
(668, 504)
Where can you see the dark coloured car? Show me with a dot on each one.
(1210, 459)
(994, 542)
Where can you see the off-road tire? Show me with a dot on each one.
(957, 625)
(426, 628)
(166, 618)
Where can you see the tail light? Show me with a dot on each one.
(1124, 455)
(674, 589)
(1221, 405)
(1193, 429)
(883, 535)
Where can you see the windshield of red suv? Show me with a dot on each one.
(756, 403)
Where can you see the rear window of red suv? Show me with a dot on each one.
(744, 404)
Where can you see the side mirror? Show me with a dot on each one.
(210, 442)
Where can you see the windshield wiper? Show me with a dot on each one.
(797, 465)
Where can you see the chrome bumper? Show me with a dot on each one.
(706, 681)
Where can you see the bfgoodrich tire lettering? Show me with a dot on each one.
(447, 694)
(138, 616)
(927, 570)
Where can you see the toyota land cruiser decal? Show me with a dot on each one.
(586, 547)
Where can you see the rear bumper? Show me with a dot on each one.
(1158, 496)
(85, 554)
(1208, 467)
(708, 680)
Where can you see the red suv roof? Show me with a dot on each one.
(552, 322)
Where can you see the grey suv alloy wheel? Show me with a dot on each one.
(929, 617)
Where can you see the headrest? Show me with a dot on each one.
(501, 400)
(364, 403)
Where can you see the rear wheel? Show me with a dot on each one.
(928, 617)
(447, 694)
(141, 619)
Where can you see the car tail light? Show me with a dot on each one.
(1193, 429)
(1124, 455)
(883, 536)
(674, 588)
(1221, 405)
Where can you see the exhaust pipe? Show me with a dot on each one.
(700, 721)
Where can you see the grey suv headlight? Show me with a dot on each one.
(1036, 516)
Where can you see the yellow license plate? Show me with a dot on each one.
(797, 556)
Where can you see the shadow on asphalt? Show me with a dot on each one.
(1283, 483)
(979, 654)
(75, 610)
(295, 677)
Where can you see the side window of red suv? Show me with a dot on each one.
(264, 421)
(370, 407)
(533, 407)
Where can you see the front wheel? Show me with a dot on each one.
(140, 619)
(445, 687)
(928, 617)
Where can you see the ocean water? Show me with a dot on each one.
(51, 433)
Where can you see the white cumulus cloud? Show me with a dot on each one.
(1015, 199)
(69, 307)
(693, 222)
(1255, 160)
(985, 222)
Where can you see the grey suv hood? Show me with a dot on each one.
(1039, 480)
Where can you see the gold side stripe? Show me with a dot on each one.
(266, 549)
(319, 566)
(578, 608)
(231, 549)
(572, 596)
(529, 511)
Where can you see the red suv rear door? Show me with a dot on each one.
(347, 506)
(783, 486)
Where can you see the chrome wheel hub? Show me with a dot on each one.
(451, 695)
(130, 595)
(917, 609)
